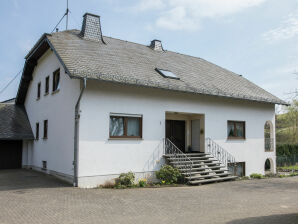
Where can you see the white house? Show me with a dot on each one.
(100, 106)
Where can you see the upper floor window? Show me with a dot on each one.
(125, 126)
(37, 131)
(236, 129)
(45, 129)
(56, 80)
(38, 90)
(46, 90)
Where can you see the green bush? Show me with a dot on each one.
(256, 176)
(286, 149)
(142, 183)
(293, 174)
(126, 179)
(168, 175)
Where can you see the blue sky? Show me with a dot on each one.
(255, 38)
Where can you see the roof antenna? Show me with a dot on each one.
(66, 13)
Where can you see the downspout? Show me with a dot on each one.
(76, 135)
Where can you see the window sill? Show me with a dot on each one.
(46, 94)
(56, 91)
(37, 99)
(44, 138)
(136, 138)
(235, 138)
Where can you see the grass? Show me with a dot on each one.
(288, 168)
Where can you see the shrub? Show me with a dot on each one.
(108, 184)
(126, 179)
(142, 183)
(168, 175)
(256, 176)
(293, 174)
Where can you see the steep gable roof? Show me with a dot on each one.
(135, 64)
(14, 123)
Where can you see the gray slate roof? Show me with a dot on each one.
(14, 123)
(131, 63)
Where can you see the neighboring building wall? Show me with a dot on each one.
(101, 158)
(58, 108)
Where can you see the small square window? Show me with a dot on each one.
(56, 80)
(46, 91)
(45, 129)
(236, 129)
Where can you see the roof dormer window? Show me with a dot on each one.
(167, 74)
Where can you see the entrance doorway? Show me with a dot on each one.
(175, 131)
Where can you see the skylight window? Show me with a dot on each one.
(167, 74)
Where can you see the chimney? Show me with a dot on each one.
(156, 45)
(91, 29)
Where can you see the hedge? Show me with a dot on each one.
(286, 149)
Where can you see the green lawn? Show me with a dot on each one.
(288, 168)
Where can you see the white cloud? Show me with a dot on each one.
(187, 14)
(287, 30)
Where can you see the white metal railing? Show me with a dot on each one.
(181, 158)
(218, 152)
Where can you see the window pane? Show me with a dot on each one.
(56, 80)
(133, 126)
(116, 126)
(231, 131)
(240, 129)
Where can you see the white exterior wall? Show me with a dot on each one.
(58, 108)
(101, 158)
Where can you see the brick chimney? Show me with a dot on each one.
(156, 45)
(91, 29)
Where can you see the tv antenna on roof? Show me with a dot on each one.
(65, 14)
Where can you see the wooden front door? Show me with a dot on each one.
(175, 131)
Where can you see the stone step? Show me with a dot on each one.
(207, 171)
(206, 165)
(217, 179)
(196, 177)
(193, 158)
(187, 154)
(192, 161)
(203, 168)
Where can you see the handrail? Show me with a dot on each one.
(171, 149)
(218, 152)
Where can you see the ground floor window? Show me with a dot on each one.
(236, 130)
(237, 169)
(125, 126)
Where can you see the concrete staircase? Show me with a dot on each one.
(204, 168)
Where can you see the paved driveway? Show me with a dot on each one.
(30, 197)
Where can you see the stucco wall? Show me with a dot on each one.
(58, 109)
(101, 158)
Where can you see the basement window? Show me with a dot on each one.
(125, 126)
(167, 74)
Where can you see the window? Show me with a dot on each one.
(56, 80)
(236, 129)
(37, 131)
(38, 90)
(46, 91)
(125, 126)
(166, 73)
(237, 169)
(45, 129)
